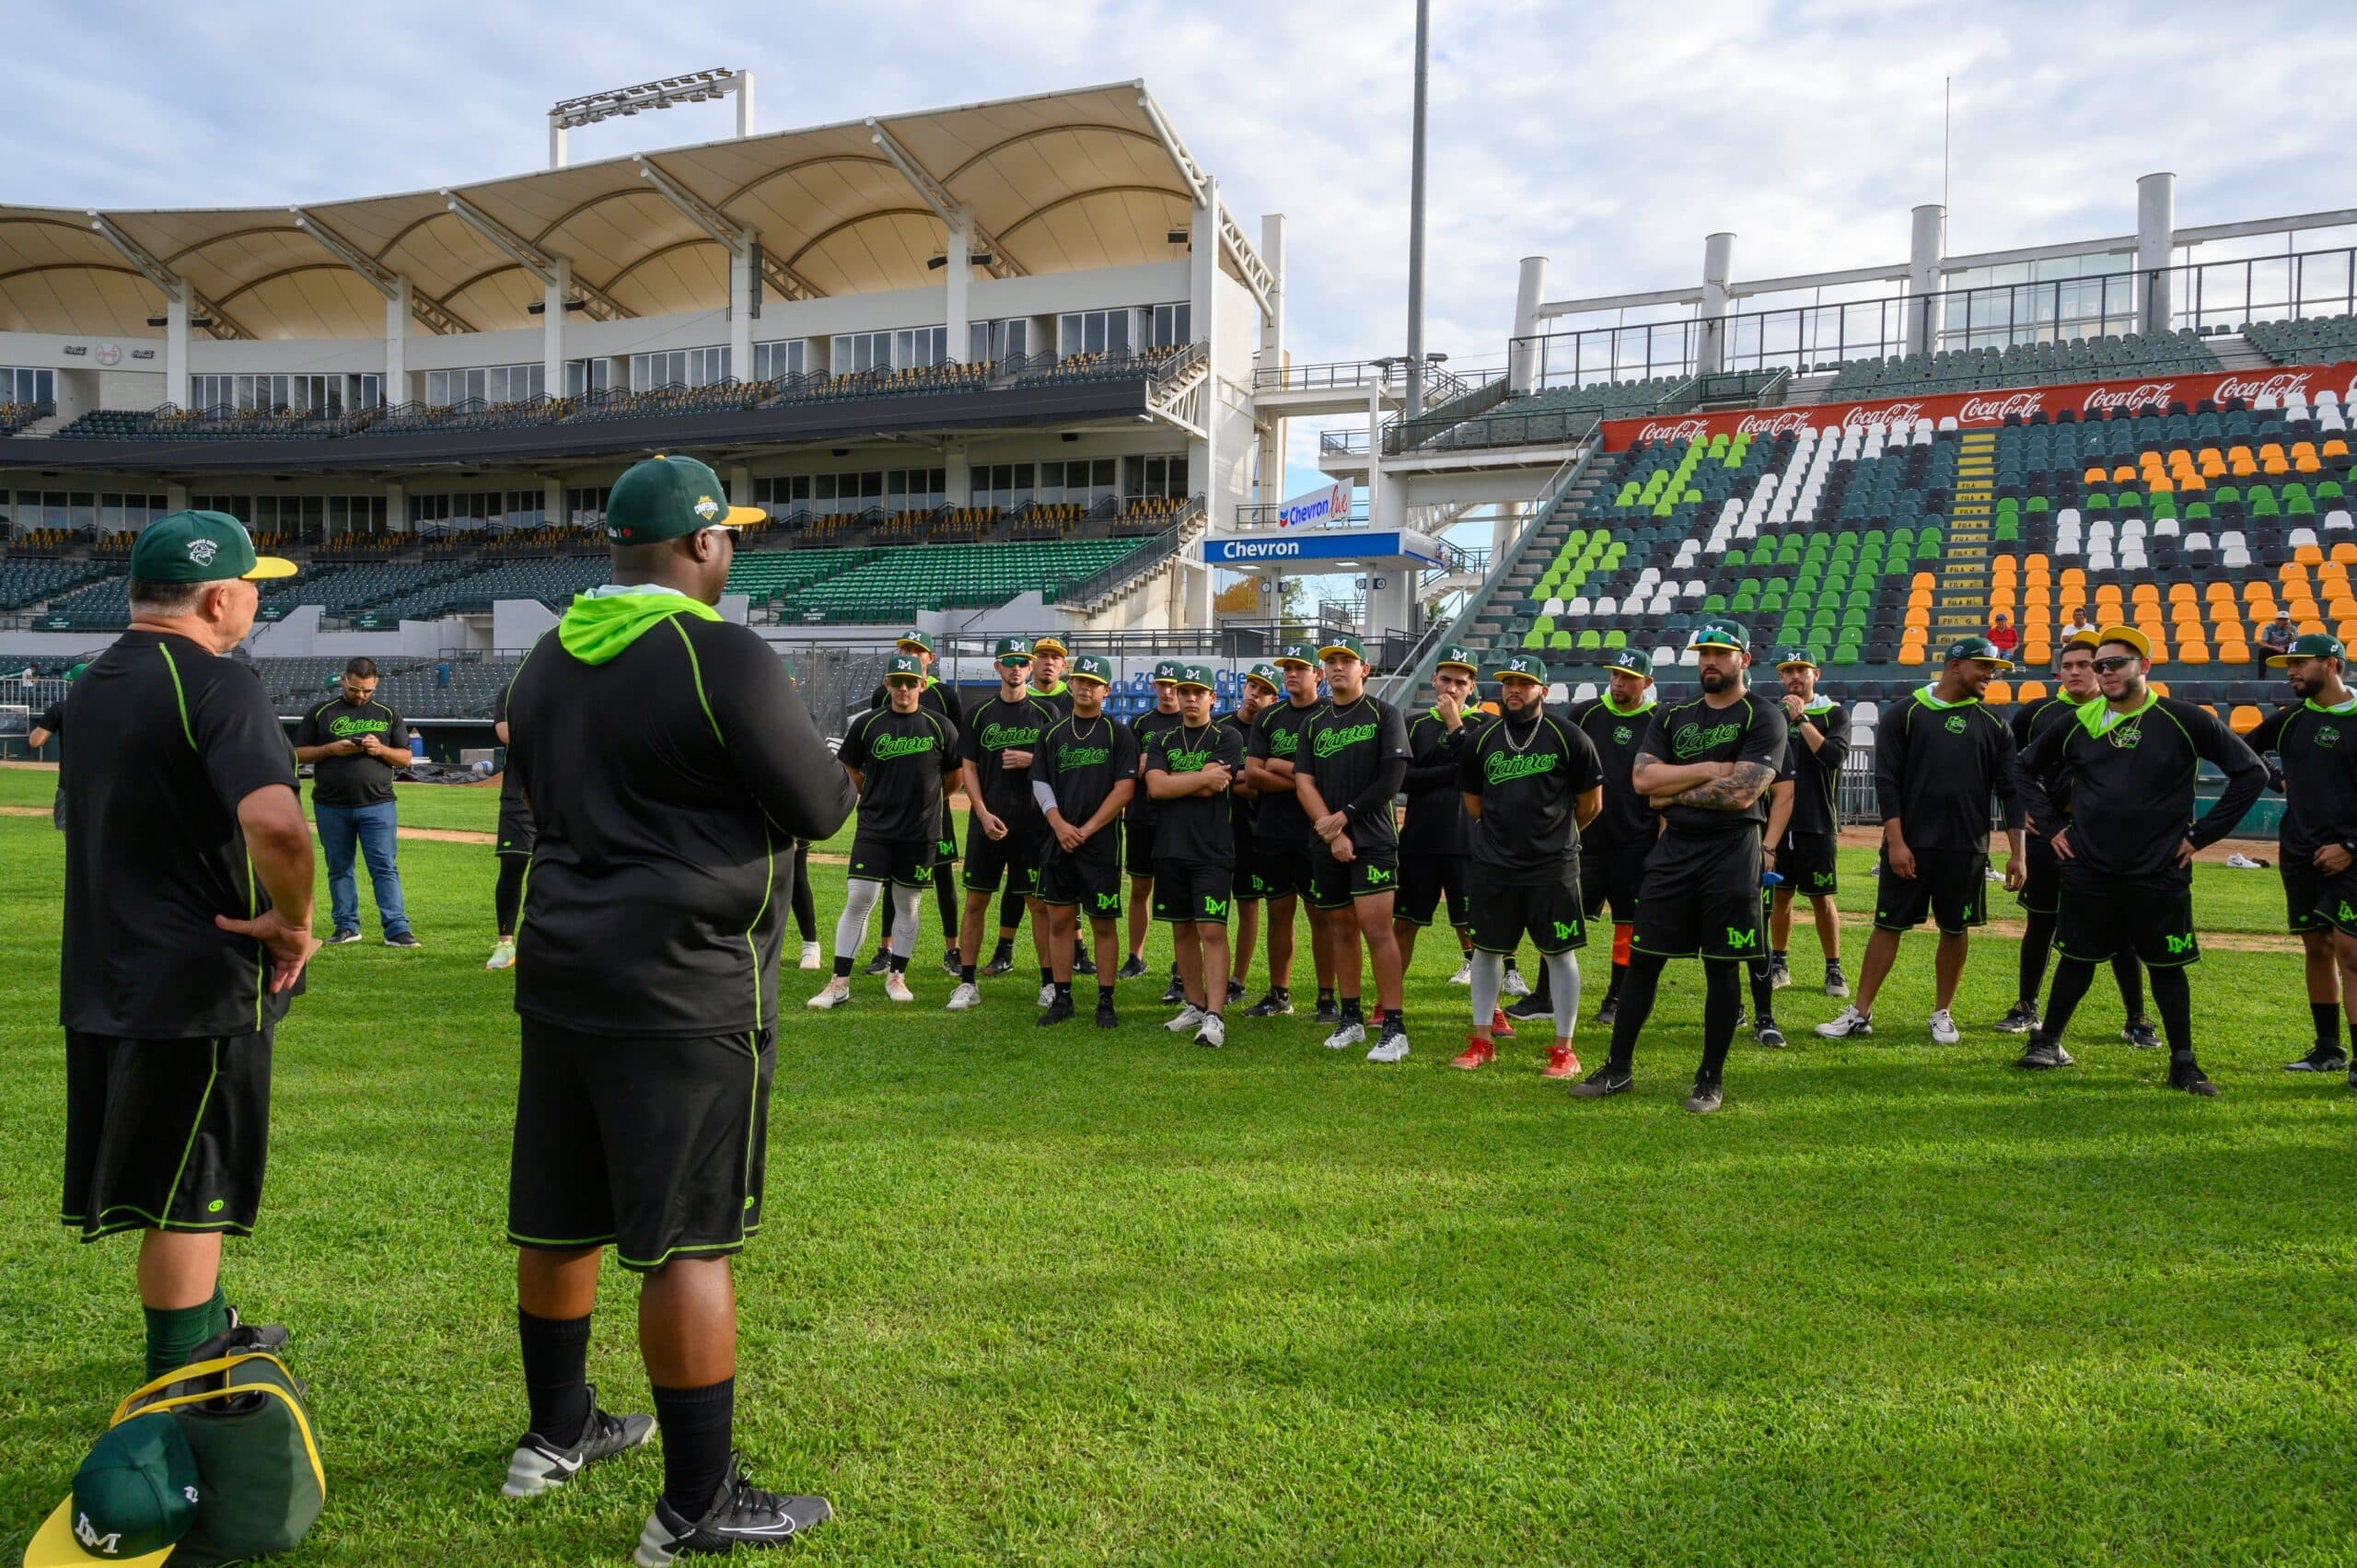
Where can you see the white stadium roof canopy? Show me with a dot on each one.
(1056, 182)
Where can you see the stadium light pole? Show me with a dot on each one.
(669, 92)
(1415, 405)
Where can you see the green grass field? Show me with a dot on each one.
(1071, 1295)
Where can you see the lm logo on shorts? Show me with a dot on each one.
(2346, 913)
(924, 875)
(1109, 900)
(1742, 939)
(1215, 908)
(1376, 877)
(1563, 929)
(2185, 944)
(1823, 878)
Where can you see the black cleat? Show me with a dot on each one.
(1605, 1082)
(1175, 993)
(1531, 1006)
(2139, 1033)
(541, 1465)
(1083, 964)
(2188, 1075)
(1105, 1017)
(1707, 1097)
(1836, 985)
(2019, 1019)
(951, 967)
(1767, 1034)
(1610, 1011)
(2326, 1057)
(2043, 1053)
(1133, 969)
(1001, 963)
(880, 962)
(1060, 1011)
(741, 1515)
(1780, 974)
(1330, 1012)
(403, 939)
(340, 938)
(1235, 991)
(1274, 1005)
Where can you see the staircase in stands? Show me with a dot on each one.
(1960, 605)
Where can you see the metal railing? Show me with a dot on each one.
(1152, 553)
(1344, 374)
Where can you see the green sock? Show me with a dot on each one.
(173, 1331)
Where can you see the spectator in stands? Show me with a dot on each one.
(442, 675)
(2277, 635)
(2002, 636)
(354, 744)
(2078, 623)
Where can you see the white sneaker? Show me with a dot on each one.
(1390, 1048)
(1464, 975)
(896, 987)
(1214, 1031)
(1847, 1024)
(1943, 1029)
(834, 993)
(1515, 985)
(968, 995)
(1190, 1018)
(1349, 1032)
(1046, 995)
(810, 954)
(2242, 861)
(503, 955)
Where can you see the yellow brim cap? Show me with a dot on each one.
(2128, 635)
(739, 517)
(53, 1546)
(267, 566)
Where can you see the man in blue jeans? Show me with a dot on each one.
(353, 743)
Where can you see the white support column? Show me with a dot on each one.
(553, 503)
(1374, 451)
(957, 477)
(957, 273)
(744, 104)
(176, 497)
(1272, 357)
(743, 285)
(1522, 357)
(2155, 250)
(556, 143)
(552, 325)
(741, 485)
(1927, 246)
(176, 300)
(396, 508)
(397, 309)
(1718, 270)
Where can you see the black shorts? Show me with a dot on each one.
(1701, 898)
(1186, 893)
(1282, 867)
(1015, 855)
(944, 850)
(1615, 875)
(517, 833)
(909, 861)
(1140, 847)
(1249, 886)
(1335, 884)
(1550, 913)
(2152, 919)
(1949, 885)
(1809, 866)
(1423, 880)
(2042, 876)
(2314, 902)
(654, 1145)
(1090, 878)
(164, 1134)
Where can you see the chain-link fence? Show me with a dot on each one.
(22, 703)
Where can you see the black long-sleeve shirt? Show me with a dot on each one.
(1817, 774)
(1437, 822)
(2131, 784)
(1356, 753)
(1628, 820)
(1936, 767)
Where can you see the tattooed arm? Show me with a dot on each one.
(1742, 784)
(1659, 779)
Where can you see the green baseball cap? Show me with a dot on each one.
(1196, 675)
(1794, 653)
(1167, 671)
(904, 663)
(1461, 656)
(1267, 675)
(913, 639)
(1092, 666)
(2312, 644)
(1012, 650)
(201, 547)
(1521, 667)
(134, 1497)
(1345, 643)
(1980, 650)
(669, 498)
(1635, 660)
(1718, 633)
(1301, 654)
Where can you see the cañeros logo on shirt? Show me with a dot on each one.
(1691, 738)
(890, 746)
(1332, 741)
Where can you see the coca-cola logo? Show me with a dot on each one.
(1682, 430)
(1864, 414)
(2144, 394)
(2282, 384)
(1994, 411)
(1772, 425)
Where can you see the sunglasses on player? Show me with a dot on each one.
(2113, 665)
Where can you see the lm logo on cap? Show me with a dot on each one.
(202, 551)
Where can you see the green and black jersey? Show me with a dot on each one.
(1276, 736)
(2132, 775)
(358, 779)
(1145, 726)
(2317, 747)
(1938, 765)
(1195, 828)
(1081, 761)
(902, 759)
(1528, 777)
(1628, 820)
(1749, 729)
(1817, 774)
(1357, 753)
(1436, 824)
(168, 740)
(1059, 697)
(994, 728)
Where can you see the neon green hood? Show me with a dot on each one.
(597, 626)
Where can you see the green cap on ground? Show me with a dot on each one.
(669, 498)
(907, 664)
(2311, 645)
(1267, 675)
(912, 638)
(1167, 671)
(136, 1494)
(1459, 656)
(1635, 660)
(1092, 666)
(1345, 643)
(1794, 653)
(201, 547)
(1980, 650)
(1520, 666)
(1301, 654)
(1195, 675)
(1720, 633)
(1012, 650)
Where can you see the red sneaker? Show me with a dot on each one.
(1478, 1052)
(1561, 1064)
(1500, 1026)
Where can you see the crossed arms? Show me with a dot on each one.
(1706, 787)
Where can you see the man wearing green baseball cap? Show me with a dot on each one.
(1258, 691)
(670, 766)
(2317, 740)
(1615, 847)
(1806, 856)
(1281, 837)
(1709, 766)
(1189, 769)
(1353, 755)
(1938, 762)
(1049, 657)
(1083, 773)
(135, 1498)
(1138, 826)
(1434, 838)
(1003, 840)
(2126, 848)
(941, 699)
(187, 924)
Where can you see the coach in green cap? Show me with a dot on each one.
(670, 765)
(1139, 824)
(188, 924)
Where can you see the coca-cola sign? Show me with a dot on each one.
(1982, 408)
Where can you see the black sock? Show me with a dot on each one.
(2130, 976)
(2173, 998)
(899, 964)
(2327, 1018)
(1395, 1020)
(1643, 972)
(698, 1428)
(843, 968)
(2072, 977)
(1763, 986)
(964, 974)
(1104, 997)
(556, 1357)
(1325, 997)
(1046, 976)
(1285, 993)
(1620, 976)
(1063, 991)
(1776, 955)
(1006, 949)
(2037, 942)
(1351, 1012)
(1722, 1000)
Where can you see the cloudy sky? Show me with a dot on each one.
(1608, 136)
